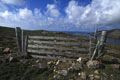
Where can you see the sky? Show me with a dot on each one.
(60, 15)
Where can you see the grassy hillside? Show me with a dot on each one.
(115, 33)
(22, 68)
(8, 38)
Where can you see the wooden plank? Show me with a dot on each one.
(56, 57)
(57, 48)
(52, 42)
(102, 43)
(56, 38)
(8, 41)
(18, 36)
(52, 53)
(46, 57)
(98, 52)
(83, 43)
(26, 45)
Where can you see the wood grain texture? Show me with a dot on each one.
(57, 48)
(55, 38)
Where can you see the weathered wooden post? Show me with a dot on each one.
(95, 52)
(19, 39)
(98, 52)
(26, 45)
(93, 43)
(95, 34)
(90, 49)
(102, 43)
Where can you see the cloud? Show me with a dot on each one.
(25, 18)
(52, 10)
(101, 13)
(98, 13)
(25, 14)
(13, 2)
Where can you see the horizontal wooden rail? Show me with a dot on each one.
(58, 57)
(53, 52)
(57, 48)
(52, 57)
(52, 42)
(54, 38)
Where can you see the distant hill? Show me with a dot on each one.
(114, 33)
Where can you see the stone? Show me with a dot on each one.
(94, 64)
(63, 72)
(49, 62)
(57, 76)
(96, 72)
(79, 74)
(75, 67)
(115, 66)
(83, 75)
(42, 65)
(97, 77)
(82, 60)
(79, 59)
(57, 62)
(37, 61)
(70, 62)
(12, 59)
(64, 60)
(91, 75)
(6, 50)
(92, 78)
(55, 70)
(33, 65)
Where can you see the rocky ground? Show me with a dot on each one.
(14, 66)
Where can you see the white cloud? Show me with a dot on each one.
(13, 2)
(25, 13)
(98, 13)
(25, 18)
(52, 10)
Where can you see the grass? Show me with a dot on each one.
(18, 71)
(113, 47)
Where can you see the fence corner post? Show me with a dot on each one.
(18, 38)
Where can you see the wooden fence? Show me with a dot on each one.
(55, 47)
(50, 46)
(43, 45)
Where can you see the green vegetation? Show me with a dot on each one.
(20, 71)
